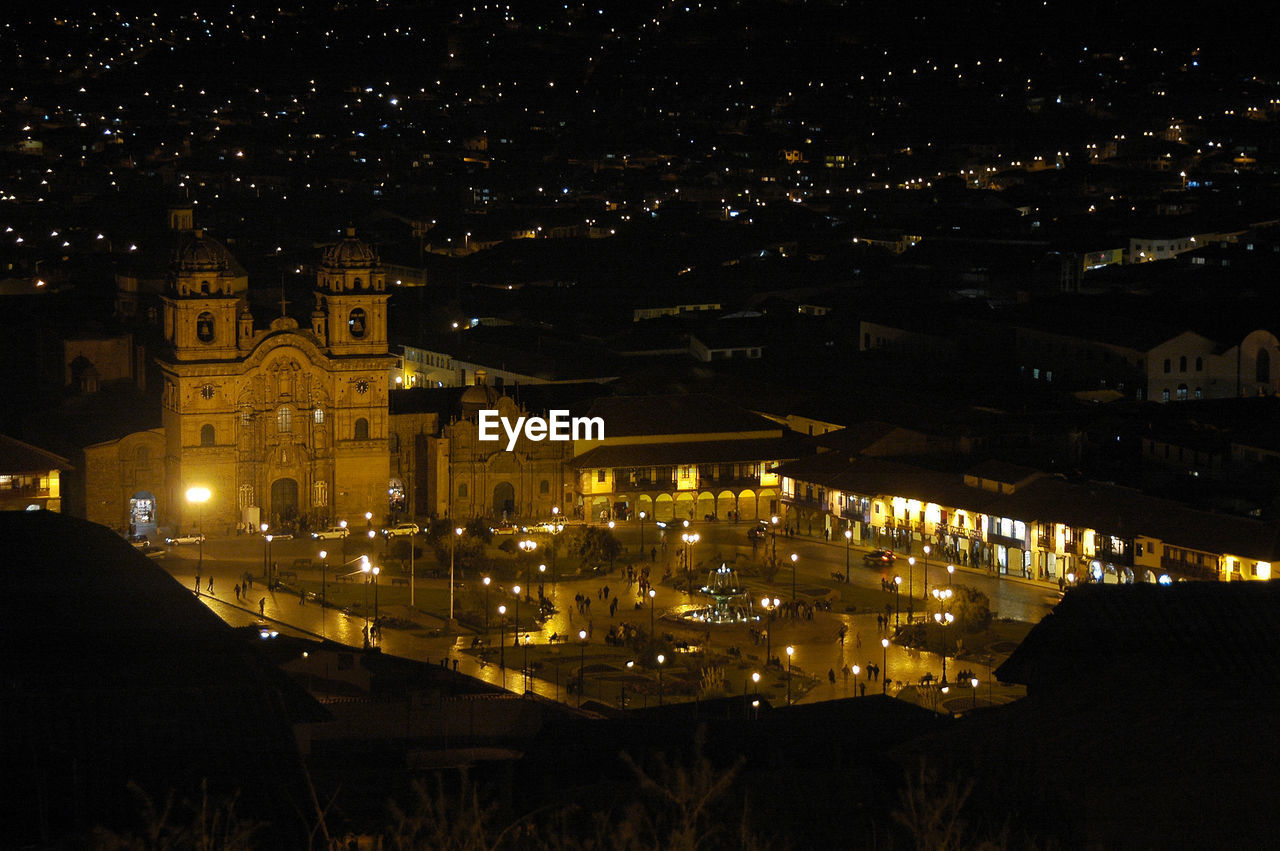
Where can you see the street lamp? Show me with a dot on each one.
(642, 516)
(582, 664)
(755, 678)
(770, 606)
(973, 683)
(848, 537)
(884, 665)
(271, 569)
(323, 556)
(855, 670)
(502, 637)
(689, 538)
(951, 572)
(266, 570)
(795, 557)
(661, 659)
(515, 589)
(897, 585)
(527, 546)
(927, 549)
(376, 571)
(790, 652)
(342, 524)
(199, 496)
(652, 593)
(911, 585)
(943, 619)
(457, 531)
(773, 536)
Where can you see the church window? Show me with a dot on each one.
(356, 323)
(544, 486)
(462, 490)
(362, 428)
(320, 493)
(246, 496)
(359, 284)
(284, 420)
(204, 327)
(206, 435)
(204, 287)
(142, 456)
(319, 416)
(1263, 365)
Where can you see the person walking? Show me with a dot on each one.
(262, 606)
(210, 588)
(237, 590)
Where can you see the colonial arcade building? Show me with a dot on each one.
(281, 422)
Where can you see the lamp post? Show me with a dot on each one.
(755, 678)
(855, 670)
(323, 556)
(527, 546)
(773, 536)
(343, 537)
(795, 557)
(689, 538)
(485, 582)
(770, 606)
(884, 665)
(365, 567)
(897, 585)
(642, 516)
(266, 570)
(375, 572)
(411, 570)
(199, 496)
(951, 572)
(848, 538)
(457, 532)
(582, 664)
(924, 593)
(652, 593)
(502, 638)
(661, 659)
(271, 565)
(911, 585)
(515, 589)
(943, 619)
(973, 683)
(790, 652)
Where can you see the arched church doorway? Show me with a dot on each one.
(284, 500)
(504, 500)
(142, 513)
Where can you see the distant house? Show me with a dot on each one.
(30, 478)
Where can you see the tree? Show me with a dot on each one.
(594, 545)
(971, 607)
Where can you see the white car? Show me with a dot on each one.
(184, 539)
(331, 532)
(401, 529)
(545, 526)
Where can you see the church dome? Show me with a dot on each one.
(350, 253)
(202, 254)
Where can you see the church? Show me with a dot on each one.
(280, 422)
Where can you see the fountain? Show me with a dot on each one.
(730, 602)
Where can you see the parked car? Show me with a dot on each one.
(401, 529)
(184, 539)
(503, 529)
(331, 532)
(545, 526)
(879, 558)
(140, 542)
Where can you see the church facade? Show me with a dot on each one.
(279, 423)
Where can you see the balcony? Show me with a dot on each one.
(1115, 556)
(1187, 569)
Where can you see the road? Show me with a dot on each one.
(817, 646)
